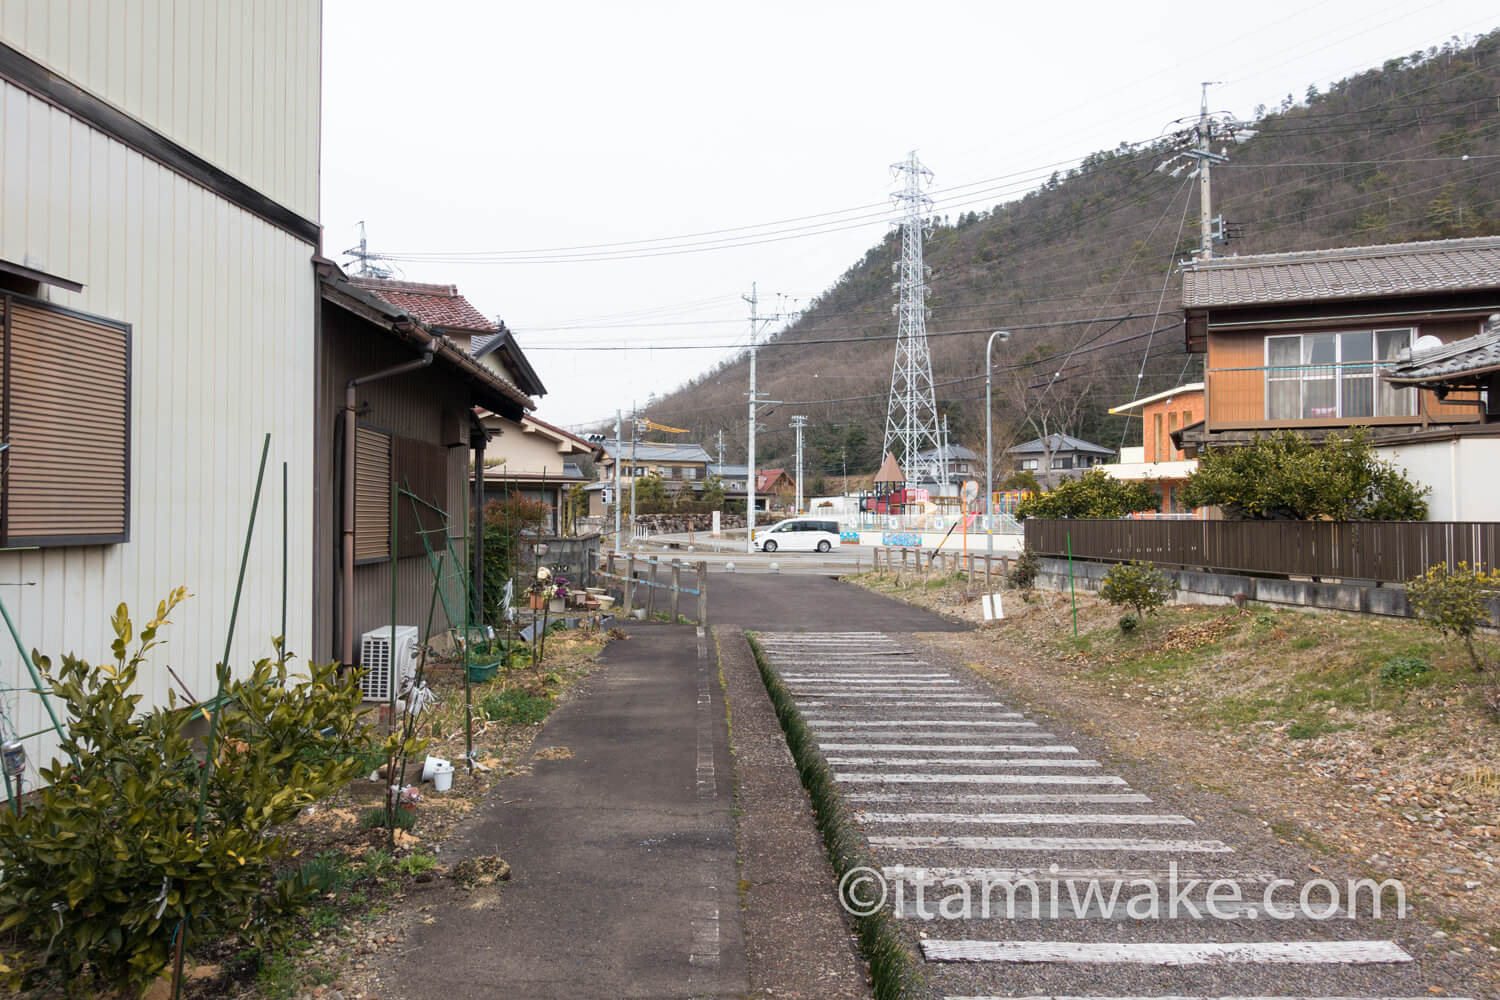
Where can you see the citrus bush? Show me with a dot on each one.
(116, 855)
(1138, 585)
(1456, 602)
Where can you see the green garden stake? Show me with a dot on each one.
(1068, 538)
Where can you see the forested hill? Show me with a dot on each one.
(1405, 152)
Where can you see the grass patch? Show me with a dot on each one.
(376, 817)
(893, 968)
(416, 863)
(515, 707)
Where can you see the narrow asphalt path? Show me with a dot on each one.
(621, 844)
(812, 604)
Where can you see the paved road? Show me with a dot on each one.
(623, 853)
(948, 782)
(812, 604)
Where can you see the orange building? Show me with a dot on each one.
(1156, 459)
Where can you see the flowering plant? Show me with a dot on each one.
(562, 587)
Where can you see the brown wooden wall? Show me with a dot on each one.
(427, 407)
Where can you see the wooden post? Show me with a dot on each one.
(703, 594)
(629, 584)
(988, 589)
(676, 586)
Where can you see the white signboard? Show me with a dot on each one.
(716, 531)
(991, 605)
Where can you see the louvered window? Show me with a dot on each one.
(65, 416)
(421, 469)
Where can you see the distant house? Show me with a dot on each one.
(1158, 459)
(1302, 341)
(960, 461)
(773, 482)
(537, 460)
(1057, 457)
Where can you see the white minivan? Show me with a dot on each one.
(799, 534)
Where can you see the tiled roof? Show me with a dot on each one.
(953, 451)
(435, 305)
(727, 471)
(1057, 443)
(1352, 272)
(1470, 356)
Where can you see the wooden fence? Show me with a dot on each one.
(634, 579)
(1384, 551)
(916, 564)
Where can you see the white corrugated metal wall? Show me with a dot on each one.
(222, 307)
(235, 82)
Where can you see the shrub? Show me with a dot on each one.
(1456, 603)
(1138, 585)
(1129, 623)
(1094, 494)
(1286, 476)
(1403, 671)
(118, 851)
(515, 707)
(1023, 572)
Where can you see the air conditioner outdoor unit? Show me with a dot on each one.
(387, 663)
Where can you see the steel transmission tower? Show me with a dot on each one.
(911, 424)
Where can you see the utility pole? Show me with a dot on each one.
(844, 461)
(721, 452)
(1205, 188)
(797, 424)
(911, 425)
(619, 460)
(755, 402)
(634, 433)
(943, 455)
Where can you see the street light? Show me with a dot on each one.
(989, 454)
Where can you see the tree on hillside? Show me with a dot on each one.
(1287, 477)
(1093, 494)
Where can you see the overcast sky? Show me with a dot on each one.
(460, 129)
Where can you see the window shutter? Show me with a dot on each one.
(372, 494)
(67, 420)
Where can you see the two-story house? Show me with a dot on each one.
(960, 462)
(1057, 457)
(1158, 459)
(1302, 340)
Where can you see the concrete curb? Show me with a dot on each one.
(798, 938)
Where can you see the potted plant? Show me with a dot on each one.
(541, 590)
(559, 597)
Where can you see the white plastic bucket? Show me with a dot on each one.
(442, 776)
(429, 765)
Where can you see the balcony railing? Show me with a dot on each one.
(1318, 395)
